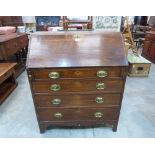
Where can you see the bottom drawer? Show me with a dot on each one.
(59, 114)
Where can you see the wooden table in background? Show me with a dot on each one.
(13, 48)
(7, 80)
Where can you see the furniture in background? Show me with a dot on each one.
(141, 25)
(7, 80)
(140, 20)
(43, 22)
(149, 46)
(13, 48)
(71, 23)
(11, 21)
(78, 80)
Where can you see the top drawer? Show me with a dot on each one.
(49, 74)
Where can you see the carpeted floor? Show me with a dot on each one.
(137, 118)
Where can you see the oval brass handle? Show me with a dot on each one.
(56, 101)
(98, 114)
(58, 115)
(99, 100)
(102, 73)
(54, 75)
(100, 86)
(55, 87)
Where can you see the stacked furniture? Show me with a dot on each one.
(77, 78)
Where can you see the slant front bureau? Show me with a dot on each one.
(77, 78)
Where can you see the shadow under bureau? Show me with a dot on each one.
(77, 78)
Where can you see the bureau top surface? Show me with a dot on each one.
(76, 49)
(6, 37)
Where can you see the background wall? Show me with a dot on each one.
(104, 23)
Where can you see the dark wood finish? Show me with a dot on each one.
(83, 85)
(84, 100)
(14, 45)
(149, 46)
(47, 114)
(77, 61)
(43, 125)
(60, 49)
(43, 74)
(7, 80)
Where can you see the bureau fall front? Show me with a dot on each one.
(77, 78)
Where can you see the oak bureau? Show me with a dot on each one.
(77, 78)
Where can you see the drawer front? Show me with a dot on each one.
(59, 114)
(77, 73)
(78, 86)
(91, 100)
(23, 41)
(11, 47)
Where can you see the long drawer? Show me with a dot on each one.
(66, 114)
(104, 72)
(78, 86)
(90, 100)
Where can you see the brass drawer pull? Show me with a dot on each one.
(98, 114)
(99, 100)
(55, 87)
(58, 115)
(56, 101)
(54, 75)
(100, 86)
(102, 73)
